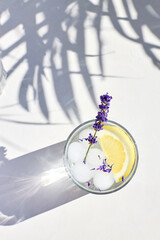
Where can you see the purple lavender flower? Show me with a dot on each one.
(100, 168)
(98, 126)
(105, 98)
(89, 184)
(104, 107)
(101, 116)
(99, 122)
(107, 170)
(105, 161)
(105, 167)
(110, 166)
(91, 139)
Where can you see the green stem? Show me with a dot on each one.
(89, 147)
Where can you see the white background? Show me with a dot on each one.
(60, 56)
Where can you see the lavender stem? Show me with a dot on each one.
(89, 147)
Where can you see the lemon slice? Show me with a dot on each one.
(119, 150)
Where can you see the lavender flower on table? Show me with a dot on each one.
(100, 119)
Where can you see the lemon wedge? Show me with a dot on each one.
(119, 150)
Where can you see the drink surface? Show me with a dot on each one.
(109, 163)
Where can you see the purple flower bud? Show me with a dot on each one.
(105, 98)
(104, 161)
(108, 170)
(98, 126)
(91, 139)
(105, 167)
(100, 168)
(102, 117)
(104, 107)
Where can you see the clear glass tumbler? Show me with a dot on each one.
(119, 135)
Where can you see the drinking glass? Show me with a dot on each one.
(123, 135)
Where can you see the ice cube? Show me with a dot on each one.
(81, 172)
(95, 157)
(85, 144)
(76, 152)
(103, 180)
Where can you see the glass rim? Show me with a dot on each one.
(127, 179)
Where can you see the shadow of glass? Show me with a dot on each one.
(33, 184)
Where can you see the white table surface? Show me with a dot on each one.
(60, 56)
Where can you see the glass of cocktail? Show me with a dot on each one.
(106, 160)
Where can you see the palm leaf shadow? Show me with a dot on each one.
(144, 17)
(55, 15)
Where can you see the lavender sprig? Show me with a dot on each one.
(91, 139)
(103, 113)
(101, 118)
(105, 167)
